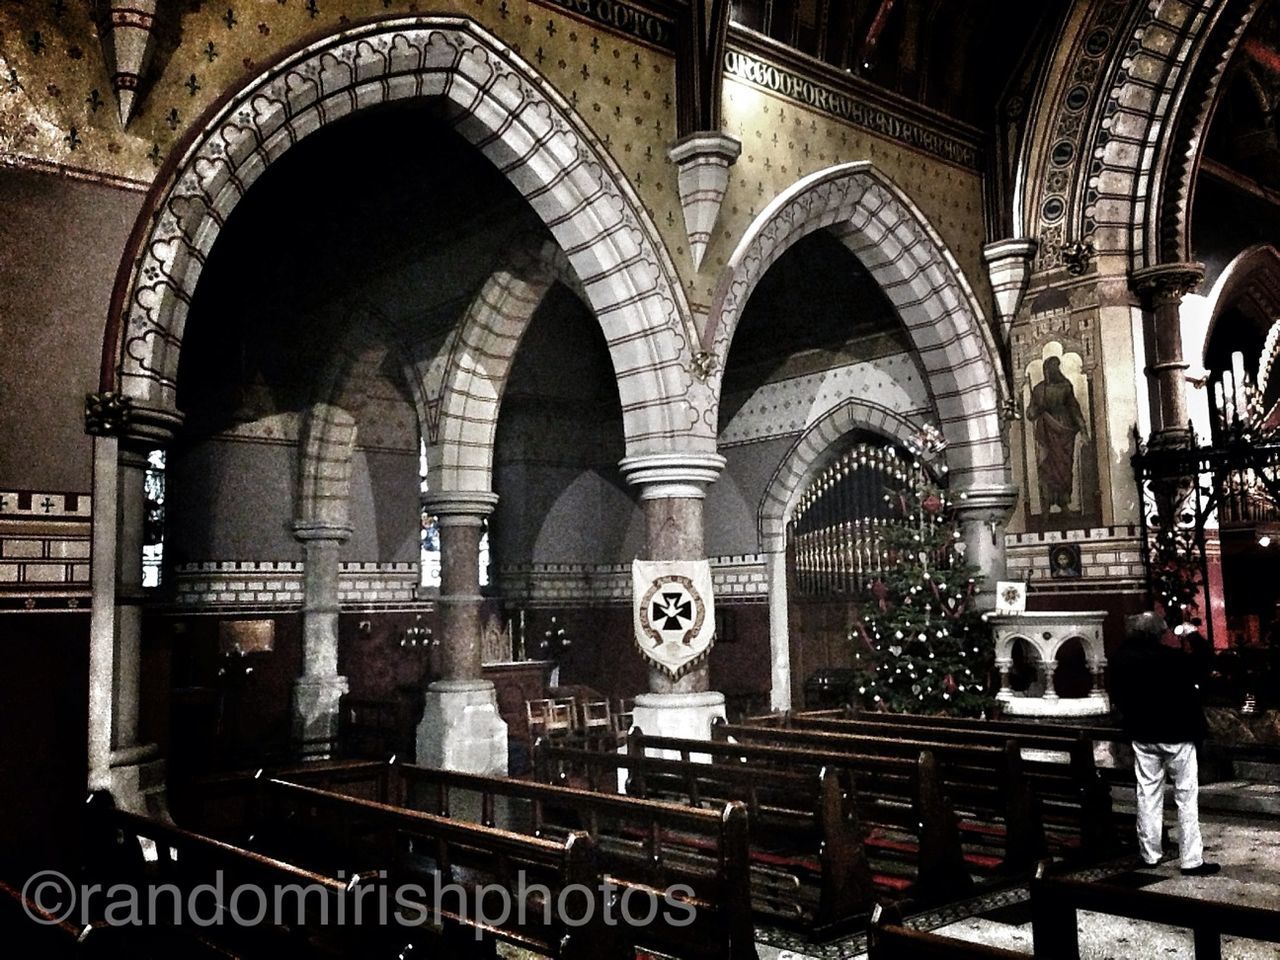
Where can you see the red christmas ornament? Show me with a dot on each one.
(949, 684)
(931, 504)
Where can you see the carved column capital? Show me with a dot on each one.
(446, 504)
(662, 475)
(112, 414)
(1166, 284)
(309, 530)
(106, 414)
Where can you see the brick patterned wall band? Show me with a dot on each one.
(44, 550)
(278, 584)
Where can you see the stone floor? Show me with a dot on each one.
(1249, 851)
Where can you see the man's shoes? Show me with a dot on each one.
(1205, 869)
(1148, 863)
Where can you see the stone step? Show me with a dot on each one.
(1228, 796)
(1257, 771)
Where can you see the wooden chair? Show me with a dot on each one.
(560, 717)
(624, 713)
(596, 717)
(538, 714)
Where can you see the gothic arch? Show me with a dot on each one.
(1113, 158)
(327, 437)
(464, 383)
(811, 452)
(502, 106)
(1251, 283)
(896, 244)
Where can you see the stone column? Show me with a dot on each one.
(982, 513)
(672, 488)
(461, 728)
(124, 433)
(1161, 289)
(318, 692)
(779, 631)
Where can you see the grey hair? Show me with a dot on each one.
(1145, 627)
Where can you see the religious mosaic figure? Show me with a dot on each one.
(1055, 411)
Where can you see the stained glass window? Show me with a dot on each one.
(153, 520)
(430, 554)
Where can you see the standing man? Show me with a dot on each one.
(1155, 688)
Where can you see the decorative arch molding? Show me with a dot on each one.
(464, 383)
(812, 452)
(501, 105)
(1113, 158)
(905, 255)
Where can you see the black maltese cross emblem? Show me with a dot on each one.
(672, 610)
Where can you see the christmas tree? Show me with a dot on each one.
(920, 645)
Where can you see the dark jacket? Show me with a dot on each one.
(1154, 687)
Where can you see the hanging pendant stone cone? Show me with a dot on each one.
(702, 161)
(128, 49)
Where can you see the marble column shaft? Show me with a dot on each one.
(982, 514)
(673, 531)
(317, 693)
(1161, 289)
(460, 599)
(126, 682)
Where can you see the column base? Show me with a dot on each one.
(461, 728)
(316, 714)
(138, 781)
(687, 715)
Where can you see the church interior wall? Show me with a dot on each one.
(62, 240)
(566, 525)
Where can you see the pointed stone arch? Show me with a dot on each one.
(920, 277)
(812, 452)
(330, 424)
(502, 106)
(465, 380)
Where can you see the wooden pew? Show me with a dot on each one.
(1057, 762)
(809, 863)
(899, 803)
(986, 786)
(1056, 900)
(219, 805)
(117, 844)
(889, 939)
(333, 832)
(29, 931)
(642, 843)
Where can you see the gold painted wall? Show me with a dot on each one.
(57, 106)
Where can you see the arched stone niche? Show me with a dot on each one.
(1046, 632)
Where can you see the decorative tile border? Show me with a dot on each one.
(280, 583)
(1111, 554)
(44, 550)
(45, 506)
(741, 577)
